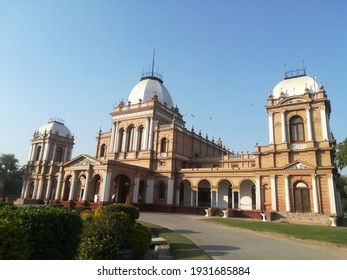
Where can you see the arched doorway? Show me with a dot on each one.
(185, 193)
(121, 189)
(81, 184)
(95, 188)
(301, 197)
(204, 193)
(247, 195)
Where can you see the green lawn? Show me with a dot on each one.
(335, 235)
(181, 247)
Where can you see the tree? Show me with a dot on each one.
(341, 154)
(11, 176)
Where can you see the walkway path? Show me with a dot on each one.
(229, 243)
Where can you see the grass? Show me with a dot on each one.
(181, 247)
(332, 235)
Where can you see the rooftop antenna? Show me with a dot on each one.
(153, 63)
(285, 69)
(303, 66)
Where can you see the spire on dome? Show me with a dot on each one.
(151, 74)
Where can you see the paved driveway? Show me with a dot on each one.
(228, 243)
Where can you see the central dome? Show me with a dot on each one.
(146, 88)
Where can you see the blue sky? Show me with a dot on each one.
(75, 60)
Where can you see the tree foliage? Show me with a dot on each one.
(11, 176)
(341, 154)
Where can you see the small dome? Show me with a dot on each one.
(296, 85)
(146, 88)
(55, 127)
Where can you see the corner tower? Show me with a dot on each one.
(51, 146)
(300, 156)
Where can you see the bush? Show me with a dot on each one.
(14, 242)
(105, 236)
(80, 209)
(344, 204)
(131, 210)
(54, 233)
(140, 240)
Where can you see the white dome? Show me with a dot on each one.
(295, 86)
(55, 127)
(145, 89)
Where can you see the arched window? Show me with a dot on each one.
(162, 191)
(296, 129)
(301, 198)
(38, 153)
(58, 154)
(163, 145)
(140, 136)
(131, 134)
(102, 150)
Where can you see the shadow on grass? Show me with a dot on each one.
(181, 247)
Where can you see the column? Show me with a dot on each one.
(49, 185)
(271, 128)
(73, 186)
(150, 141)
(197, 198)
(283, 122)
(309, 124)
(136, 189)
(170, 191)
(65, 154)
(315, 194)
(177, 196)
(25, 189)
(86, 187)
(257, 193)
(146, 134)
(150, 190)
(191, 198)
(116, 138)
(232, 200)
(31, 152)
(211, 199)
(286, 189)
(332, 194)
(217, 200)
(324, 123)
(273, 192)
(105, 196)
(57, 194)
(112, 137)
(239, 199)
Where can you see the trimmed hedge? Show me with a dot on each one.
(54, 233)
(14, 244)
(131, 210)
(140, 241)
(105, 236)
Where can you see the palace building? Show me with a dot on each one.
(149, 158)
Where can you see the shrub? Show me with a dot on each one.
(131, 210)
(80, 209)
(140, 240)
(106, 236)
(14, 242)
(54, 233)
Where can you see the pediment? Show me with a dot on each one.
(83, 160)
(298, 165)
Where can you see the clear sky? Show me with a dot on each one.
(75, 60)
